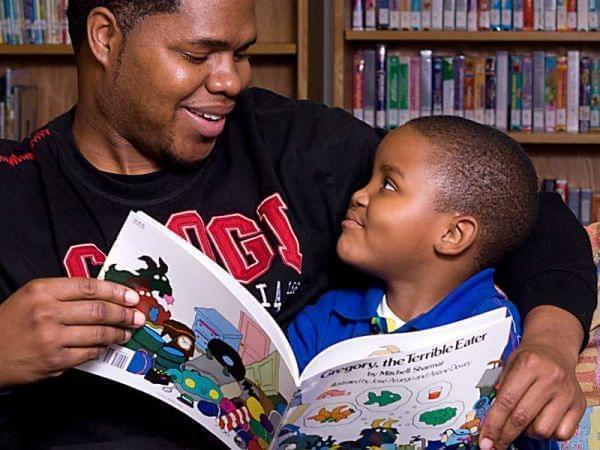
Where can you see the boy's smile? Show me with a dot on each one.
(390, 226)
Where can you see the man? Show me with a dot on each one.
(260, 183)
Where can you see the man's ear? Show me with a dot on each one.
(459, 235)
(104, 35)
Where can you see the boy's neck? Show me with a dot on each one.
(411, 297)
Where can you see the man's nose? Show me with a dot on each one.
(225, 79)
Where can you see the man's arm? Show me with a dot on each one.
(552, 278)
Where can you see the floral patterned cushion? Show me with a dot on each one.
(588, 372)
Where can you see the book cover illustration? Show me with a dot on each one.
(202, 349)
(400, 397)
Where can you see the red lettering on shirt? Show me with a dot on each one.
(273, 211)
(78, 259)
(187, 224)
(243, 248)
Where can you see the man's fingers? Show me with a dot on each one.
(89, 289)
(547, 420)
(570, 421)
(93, 336)
(99, 312)
(513, 387)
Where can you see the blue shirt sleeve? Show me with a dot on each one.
(302, 335)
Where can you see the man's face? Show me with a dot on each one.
(391, 223)
(178, 76)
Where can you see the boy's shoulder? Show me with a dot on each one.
(350, 304)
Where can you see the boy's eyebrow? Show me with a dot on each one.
(389, 168)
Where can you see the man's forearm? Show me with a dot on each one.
(555, 328)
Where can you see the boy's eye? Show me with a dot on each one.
(388, 185)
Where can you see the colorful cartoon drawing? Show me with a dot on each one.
(379, 435)
(333, 393)
(146, 281)
(255, 342)
(193, 386)
(210, 324)
(459, 437)
(182, 337)
(265, 373)
(334, 415)
(435, 392)
(385, 350)
(291, 437)
(489, 378)
(383, 399)
(439, 415)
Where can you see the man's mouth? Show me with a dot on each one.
(208, 124)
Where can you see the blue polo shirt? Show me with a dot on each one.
(347, 313)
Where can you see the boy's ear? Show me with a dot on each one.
(459, 235)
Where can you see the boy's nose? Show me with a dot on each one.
(360, 198)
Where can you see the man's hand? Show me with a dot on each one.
(51, 325)
(538, 392)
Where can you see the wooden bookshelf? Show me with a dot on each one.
(279, 59)
(58, 50)
(557, 138)
(555, 155)
(474, 36)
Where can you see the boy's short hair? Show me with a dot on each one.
(483, 172)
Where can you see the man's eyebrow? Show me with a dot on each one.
(217, 44)
(390, 168)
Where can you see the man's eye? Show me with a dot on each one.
(194, 59)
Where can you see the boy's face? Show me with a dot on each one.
(391, 225)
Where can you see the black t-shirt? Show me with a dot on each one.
(266, 204)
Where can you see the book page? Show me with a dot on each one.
(208, 348)
(363, 347)
(425, 397)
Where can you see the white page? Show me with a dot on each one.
(427, 392)
(218, 314)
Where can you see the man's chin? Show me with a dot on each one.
(172, 161)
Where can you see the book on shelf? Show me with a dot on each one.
(582, 201)
(33, 22)
(212, 352)
(476, 15)
(541, 91)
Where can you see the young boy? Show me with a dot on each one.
(448, 198)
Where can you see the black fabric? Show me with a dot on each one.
(309, 157)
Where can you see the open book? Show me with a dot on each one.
(211, 351)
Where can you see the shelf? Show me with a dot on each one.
(57, 50)
(474, 36)
(556, 138)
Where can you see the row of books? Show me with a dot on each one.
(33, 22)
(539, 92)
(584, 203)
(18, 106)
(474, 15)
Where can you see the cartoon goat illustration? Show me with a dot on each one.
(147, 280)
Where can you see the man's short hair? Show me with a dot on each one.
(127, 12)
(483, 172)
